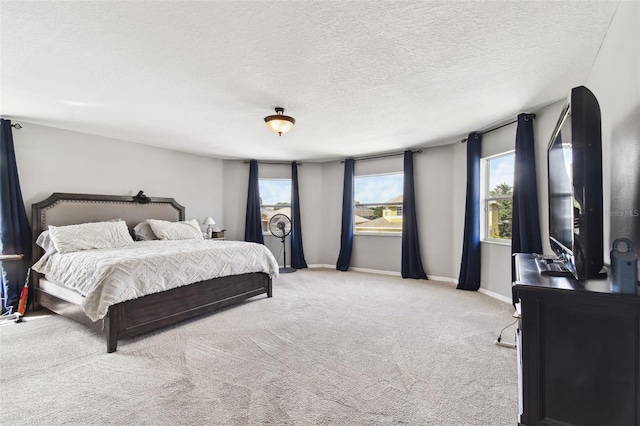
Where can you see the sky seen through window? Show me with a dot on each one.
(274, 191)
(501, 171)
(377, 189)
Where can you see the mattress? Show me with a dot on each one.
(58, 290)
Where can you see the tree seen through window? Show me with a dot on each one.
(499, 196)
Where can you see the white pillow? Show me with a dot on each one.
(87, 236)
(44, 241)
(165, 230)
(143, 232)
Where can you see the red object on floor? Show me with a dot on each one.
(22, 304)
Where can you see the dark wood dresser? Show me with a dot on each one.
(578, 351)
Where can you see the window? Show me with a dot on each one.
(275, 197)
(378, 203)
(498, 194)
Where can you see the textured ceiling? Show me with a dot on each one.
(359, 77)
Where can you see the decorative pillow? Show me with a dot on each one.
(165, 230)
(87, 236)
(44, 241)
(143, 232)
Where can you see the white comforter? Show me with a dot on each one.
(109, 276)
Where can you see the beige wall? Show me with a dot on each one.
(236, 179)
(54, 160)
(615, 81)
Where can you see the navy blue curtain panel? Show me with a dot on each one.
(469, 278)
(297, 253)
(15, 232)
(253, 219)
(411, 259)
(525, 225)
(346, 238)
(525, 236)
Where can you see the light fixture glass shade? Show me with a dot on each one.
(209, 221)
(279, 122)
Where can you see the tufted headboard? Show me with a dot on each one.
(70, 209)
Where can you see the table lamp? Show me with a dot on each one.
(209, 222)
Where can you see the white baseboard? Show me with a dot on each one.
(382, 272)
(431, 277)
(496, 295)
(376, 271)
(443, 279)
(319, 265)
(371, 271)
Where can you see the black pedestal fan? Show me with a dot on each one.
(280, 226)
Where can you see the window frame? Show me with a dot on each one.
(485, 198)
(266, 232)
(373, 233)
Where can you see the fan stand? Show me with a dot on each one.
(284, 269)
(279, 220)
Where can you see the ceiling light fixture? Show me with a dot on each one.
(279, 122)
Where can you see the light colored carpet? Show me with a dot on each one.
(329, 348)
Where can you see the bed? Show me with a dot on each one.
(146, 313)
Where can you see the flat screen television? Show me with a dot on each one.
(574, 160)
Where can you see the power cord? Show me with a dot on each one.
(279, 254)
(499, 341)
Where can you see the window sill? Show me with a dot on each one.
(506, 243)
(378, 234)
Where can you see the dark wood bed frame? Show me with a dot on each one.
(151, 312)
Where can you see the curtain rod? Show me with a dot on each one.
(299, 163)
(375, 157)
(16, 126)
(493, 129)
